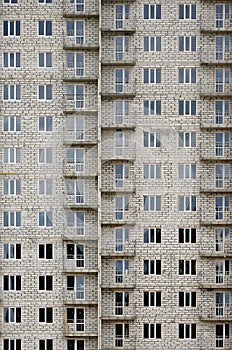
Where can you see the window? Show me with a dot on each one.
(121, 302)
(11, 59)
(77, 284)
(121, 111)
(121, 174)
(187, 139)
(45, 92)
(222, 269)
(45, 123)
(222, 239)
(122, 269)
(187, 203)
(76, 93)
(152, 299)
(12, 283)
(151, 11)
(187, 75)
(187, 299)
(122, 332)
(152, 235)
(77, 30)
(187, 11)
(122, 14)
(152, 203)
(76, 252)
(12, 155)
(122, 140)
(121, 207)
(187, 331)
(187, 43)
(152, 75)
(75, 127)
(152, 330)
(10, 2)
(46, 315)
(12, 124)
(12, 218)
(12, 251)
(76, 220)
(76, 156)
(222, 334)
(45, 251)
(12, 187)
(151, 139)
(152, 107)
(12, 315)
(46, 283)
(45, 59)
(12, 92)
(121, 47)
(76, 188)
(187, 235)
(187, 267)
(11, 28)
(152, 44)
(45, 28)
(222, 175)
(45, 218)
(222, 141)
(73, 344)
(222, 47)
(46, 344)
(45, 187)
(45, 1)
(187, 107)
(222, 15)
(11, 344)
(76, 316)
(152, 267)
(222, 303)
(222, 110)
(152, 171)
(122, 238)
(76, 60)
(222, 79)
(121, 79)
(45, 155)
(222, 205)
(187, 171)
(79, 8)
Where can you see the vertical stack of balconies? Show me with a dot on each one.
(118, 122)
(80, 78)
(215, 279)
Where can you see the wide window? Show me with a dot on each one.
(45, 251)
(151, 139)
(46, 344)
(152, 331)
(152, 11)
(73, 344)
(12, 124)
(187, 299)
(187, 107)
(12, 283)
(187, 235)
(45, 155)
(187, 11)
(152, 203)
(12, 187)
(12, 218)
(45, 28)
(187, 203)
(11, 59)
(187, 171)
(11, 28)
(12, 315)
(187, 43)
(12, 92)
(187, 75)
(152, 44)
(45, 187)
(46, 315)
(152, 75)
(45, 123)
(152, 107)
(45, 92)
(187, 139)
(45, 219)
(152, 235)
(152, 299)
(11, 155)
(12, 251)
(187, 267)
(152, 171)
(187, 331)
(152, 267)
(45, 59)
(46, 283)
(12, 344)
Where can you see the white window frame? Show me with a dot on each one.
(45, 187)
(222, 270)
(75, 344)
(76, 220)
(45, 155)
(45, 59)
(45, 249)
(222, 307)
(13, 28)
(45, 1)
(11, 60)
(187, 235)
(222, 205)
(76, 93)
(152, 11)
(12, 344)
(154, 267)
(154, 298)
(188, 203)
(188, 332)
(45, 344)
(121, 174)
(222, 47)
(11, 250)
(188, 10)
(12, 219)
(45, 282)
(77, 285)
(76, 61)
(187, 107)
(222, 110)
(222, 79)
(188, 299)
(45, 219)
(151, 139)
(152, 75)
(12, 283)
(79, 5)
(122, 110)
(122, 15)
(152, 330)
(76, 156)
(122, 305)
(12, 187)
(122, 268)
(122, 238)
(222, 175)
(77, 33)
(43, 26)
(12, 92)
(78, 323)
(122, 78)
(78, 254)
(222, 238)
(152, 203)
(189, 266)
(187, 139)
(12, 155)
(10, 2)
(187, 76)
(187, 43)
(152, 235)
(12, 124)
(12, 311)
(152, 107)
(45, 92)
(121, 207)
(187, 171)
(222, 142)
(222, 17)
(76, 188)
(45, 123)
(152, 171)
(152, 44)
(122, 141)
(76, 125)
(122, 46)
(45, 316)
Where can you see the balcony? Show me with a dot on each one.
(119, 121)
(112, 249)
(73, 202)
(76, 265)
(219, 90)
(73, 75)
(88, 9)
(211, 343)
(90, 42)
(111, 152)
(218, 57)
(215, 313)
(124, 91)
(207, 281)
(81, 137)
(124, 281)
(208, 248)
(210, 24)
(124, 26)
(118, 58)
(71, 297)
(77, 329)
(81, 103)
(119, 313)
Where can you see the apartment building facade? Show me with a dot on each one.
(115, 181)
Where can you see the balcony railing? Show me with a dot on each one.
(85, 8)
(119, 57)
(217, 89)
(215, 281)
(81, 136)
(209, 23)
(109, 151)
(118, 248)
(216, 57)
(208, 248)
(120, 311)
(81, 102)
(217, 312)
(128, 25)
